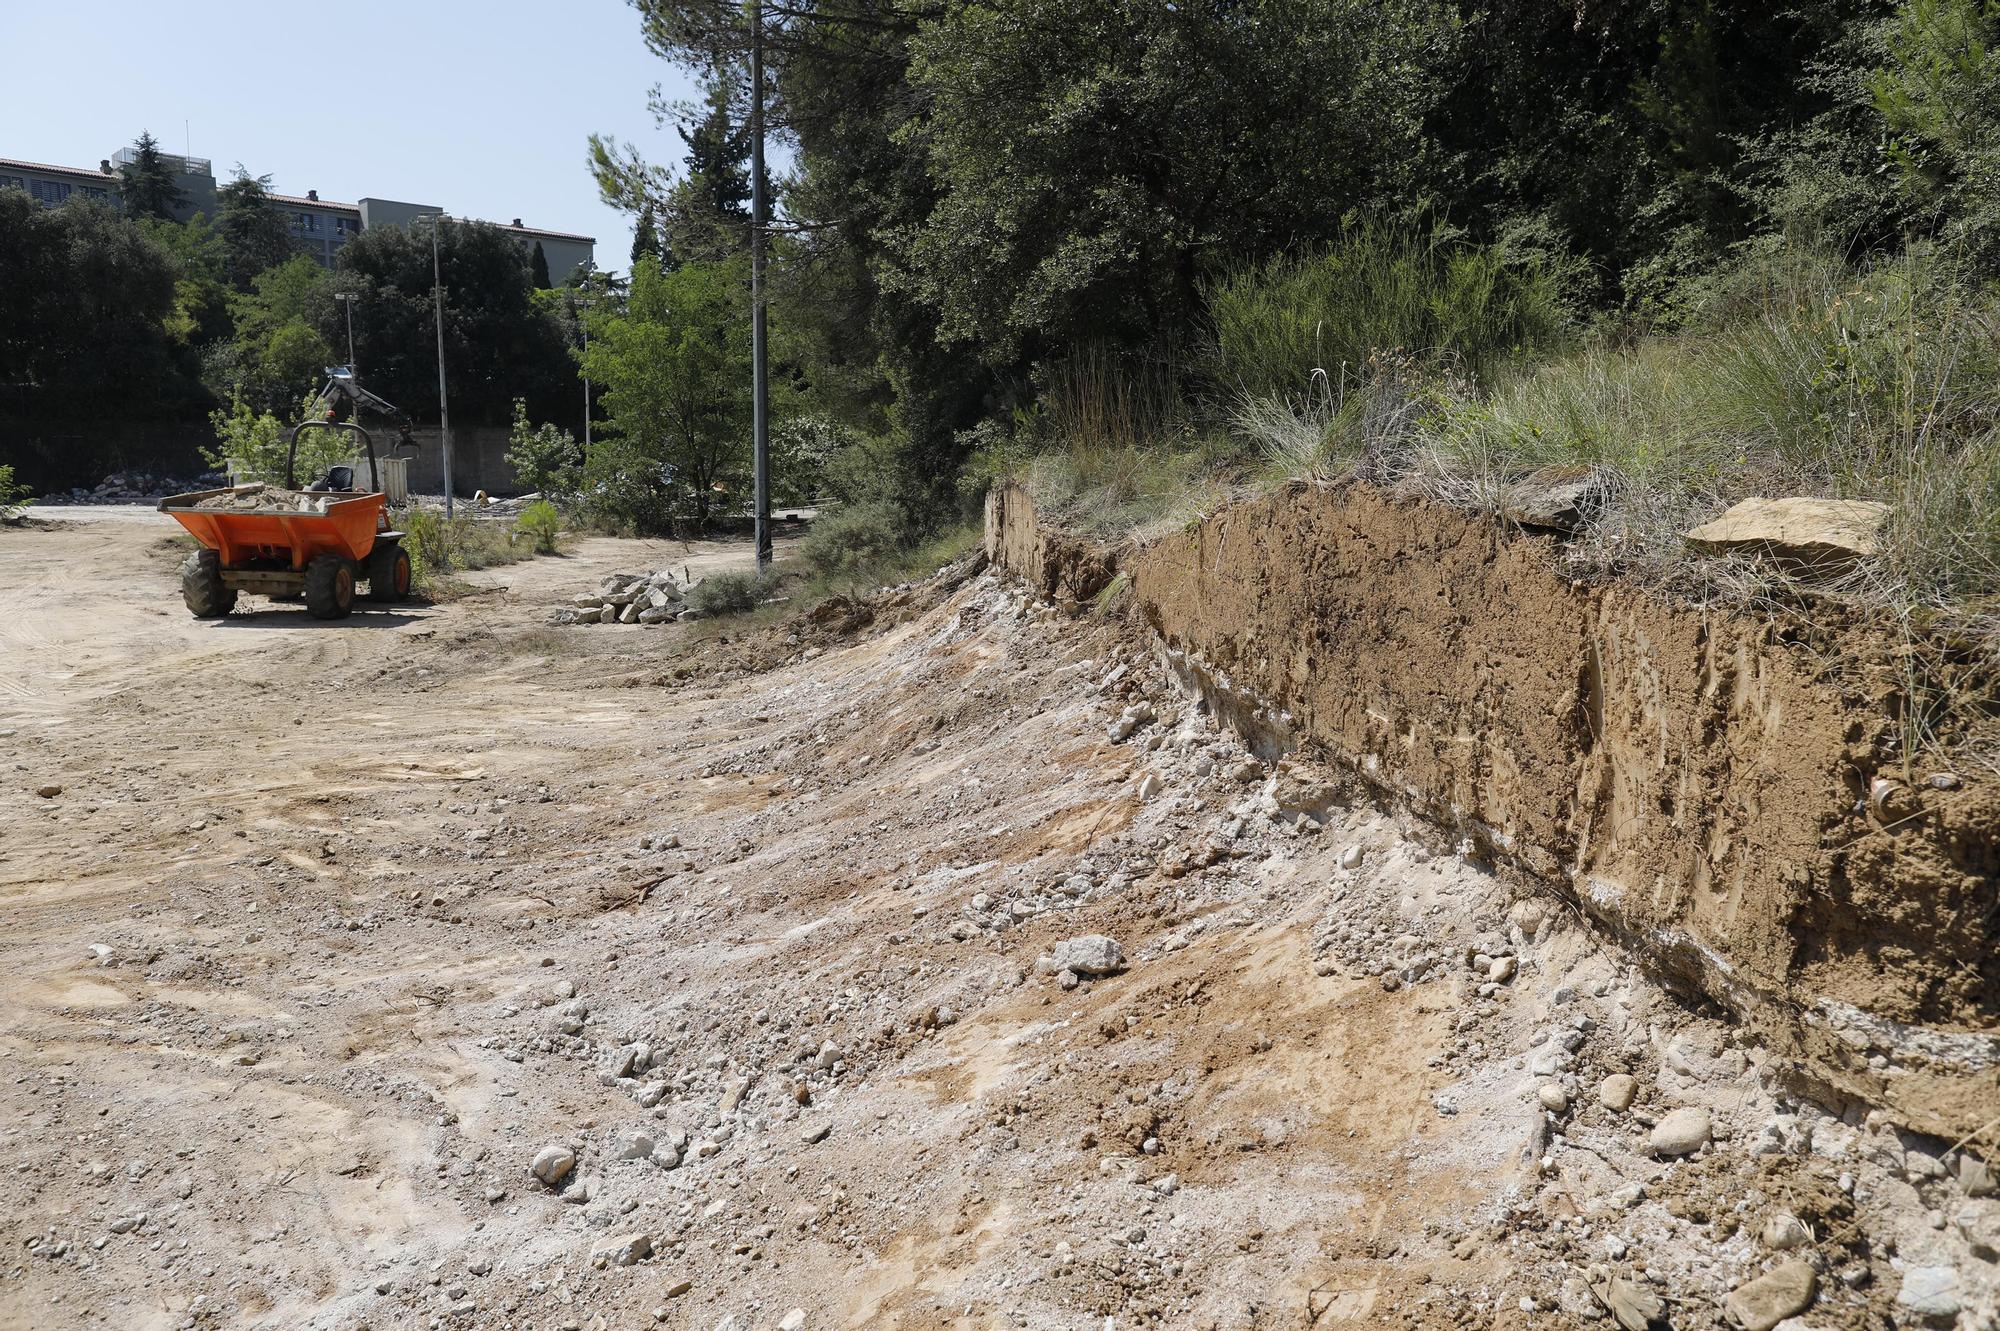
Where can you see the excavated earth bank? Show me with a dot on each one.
(1715, 789)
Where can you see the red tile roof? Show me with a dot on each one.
(46, 169)
(304, 202)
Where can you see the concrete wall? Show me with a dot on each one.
(478, 461)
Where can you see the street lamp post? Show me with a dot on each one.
(583, 326)
(760, 401)
(348, 298)
(444, 404)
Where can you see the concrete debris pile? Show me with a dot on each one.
(634, 598)
(127, 487)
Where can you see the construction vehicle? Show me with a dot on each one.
(316, 543)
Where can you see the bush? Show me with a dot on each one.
(854, 536)
(1382, 289)
(541, 523)
(544, 459)
(624, 488)
(13, 497)
(726, 594)
(256, 444)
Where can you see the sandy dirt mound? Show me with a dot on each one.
(470, 973)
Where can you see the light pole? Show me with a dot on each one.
(760, 423)
(444, 404)
(583, 326)
(348, 298)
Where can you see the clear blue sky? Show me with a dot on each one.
(479, 106)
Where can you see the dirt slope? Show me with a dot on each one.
(333, 930)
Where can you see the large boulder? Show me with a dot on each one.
(1799, 534)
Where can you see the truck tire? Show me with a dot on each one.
(201, 586)
(329, 587)
(389, 572)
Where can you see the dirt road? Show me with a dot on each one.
(335, 934)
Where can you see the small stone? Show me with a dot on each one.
(795, 1320)
(1975, 1176)
(1682, 1132)
(1553, 1098)
(625, 1250)
(1930, 1291)
(1617, 1091)
(1150, 785)
(1350, 858)
(1502, 970)
(636, 1144)
(1785, 1231)
(1091, 954)
(553, 1164)
(48, 792)
(1782, 1292)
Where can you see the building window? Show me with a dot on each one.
(12, 182)
(93, 192)
(50, 192)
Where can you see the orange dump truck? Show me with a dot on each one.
(286, 543)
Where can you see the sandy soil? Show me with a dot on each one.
(331, 930)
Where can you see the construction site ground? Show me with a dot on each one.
(443, 968)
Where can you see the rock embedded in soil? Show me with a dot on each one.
(553, 1164)
(1930, 1291)
(1091, 954)
(1682, 1132)
(1785, 1291)
(625, 1250)
(1553, 1098)
(1800, 533)
(1617, 1091)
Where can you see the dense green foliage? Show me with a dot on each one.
(543, 457)
(1133, 215)
(501, 342)
(13, 495)
(673, 369)
(146, 184)
(86, 300)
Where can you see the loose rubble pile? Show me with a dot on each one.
(633, 598)
(127, 487)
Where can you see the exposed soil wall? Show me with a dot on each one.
(1700, 782)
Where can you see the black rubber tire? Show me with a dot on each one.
(389, 572)
(201, 586)
(329, 587)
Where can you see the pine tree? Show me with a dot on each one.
(538, 268)
(148, 184)
(253, 230)
(718, 156)
(646, 237)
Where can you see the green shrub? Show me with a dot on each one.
(726, 594)
(541, 522)
(854, 536)
(1381, 289)
(256, 445)
(13, 497)
(544, 459)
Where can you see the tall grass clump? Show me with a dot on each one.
(1806, 377)
(1381, 289)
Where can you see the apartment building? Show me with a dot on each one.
(319, 226)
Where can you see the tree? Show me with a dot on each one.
(201, 293)
(148, 186)
(538, 268)
(501, 343)
(281, 345)
(254, 232)
(646, 236)
(84, 323)
(542, 457)
(674, 370)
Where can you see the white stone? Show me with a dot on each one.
(1091, 954)
(553, 1164)
(1682, 1132)
(1930, 1291)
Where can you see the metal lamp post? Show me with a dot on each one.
(348, 298)
(760, 423)
(444, 404)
